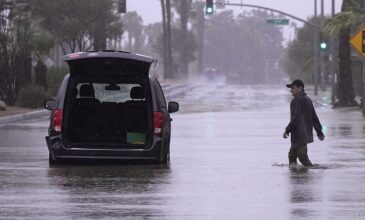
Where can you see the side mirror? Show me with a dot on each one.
(50, 104)
(173, 107)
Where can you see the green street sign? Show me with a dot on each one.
(277, 21)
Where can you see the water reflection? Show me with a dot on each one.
(345, 130)
(304, 190)
(113, 191)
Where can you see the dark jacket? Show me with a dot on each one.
(303, 119)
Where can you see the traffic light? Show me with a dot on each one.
(209, 7)
(122, 6)
(323, 43)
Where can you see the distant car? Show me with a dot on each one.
(234, 78)
(212, 74)
(108, 107)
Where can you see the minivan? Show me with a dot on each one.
(109, 108)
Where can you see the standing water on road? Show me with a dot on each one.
(228, 161)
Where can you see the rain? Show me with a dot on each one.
(227, 69)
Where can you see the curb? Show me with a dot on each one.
(23, 117)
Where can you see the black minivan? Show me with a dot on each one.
(108, 107)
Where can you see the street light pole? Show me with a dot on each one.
(315, 61)
(322, 73)
(332, 61)
(363, 69)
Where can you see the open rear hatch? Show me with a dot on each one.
(108, 102)
(108, 63)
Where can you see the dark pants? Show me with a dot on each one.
(301, 153)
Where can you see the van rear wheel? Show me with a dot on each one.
(165, 153)
(52, 161)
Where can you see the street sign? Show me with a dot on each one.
(277, 21)
(358, 42)
(220, 4)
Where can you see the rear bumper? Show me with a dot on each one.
(58, 151)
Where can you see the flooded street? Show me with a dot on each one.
(228, 161)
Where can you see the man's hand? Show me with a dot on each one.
(285, 135)
(321, 137)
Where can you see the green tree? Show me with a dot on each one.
(133, 24)
(154, 40)
(342, 24)
(15, 49)
(244, 45)
(186, 37)
(108, 24)
(78, 25)
(41, 42)
(166, 38)
(298, 58)
(198, 28)
(264, 44)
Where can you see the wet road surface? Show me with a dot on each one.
(228, 161)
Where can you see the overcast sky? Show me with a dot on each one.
(150, 10)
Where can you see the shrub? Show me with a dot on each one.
(2, 106)
(31, 97)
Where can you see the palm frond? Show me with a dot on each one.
(344, 19)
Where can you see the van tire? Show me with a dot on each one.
(165, 153)
(52, 161)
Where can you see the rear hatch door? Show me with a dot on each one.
(109, 63)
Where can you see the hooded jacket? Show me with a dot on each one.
(303, 119)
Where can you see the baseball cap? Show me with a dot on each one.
(296, 83)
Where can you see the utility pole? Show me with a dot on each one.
(332, 61)
(200, 36)
(363, 69)
(323, 68)
(315, 61)
(168, 39)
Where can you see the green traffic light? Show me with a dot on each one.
(323, 45)
(209, 10)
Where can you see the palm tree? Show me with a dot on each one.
(167, 41)
(134, 27)
(183, 8)
(342, 24)
(41, 42)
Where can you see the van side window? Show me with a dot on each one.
(160, 95)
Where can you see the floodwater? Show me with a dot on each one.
(228, 161)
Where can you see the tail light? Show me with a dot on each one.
(158, 122)
(57, 120)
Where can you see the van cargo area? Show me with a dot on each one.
(106, 114)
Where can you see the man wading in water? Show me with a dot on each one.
(303, 118)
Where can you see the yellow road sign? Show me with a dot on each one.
(358, 41)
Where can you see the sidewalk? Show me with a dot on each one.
(170, 87)
(14, 114)
(323, 98)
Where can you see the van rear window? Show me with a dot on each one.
(105, 92)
